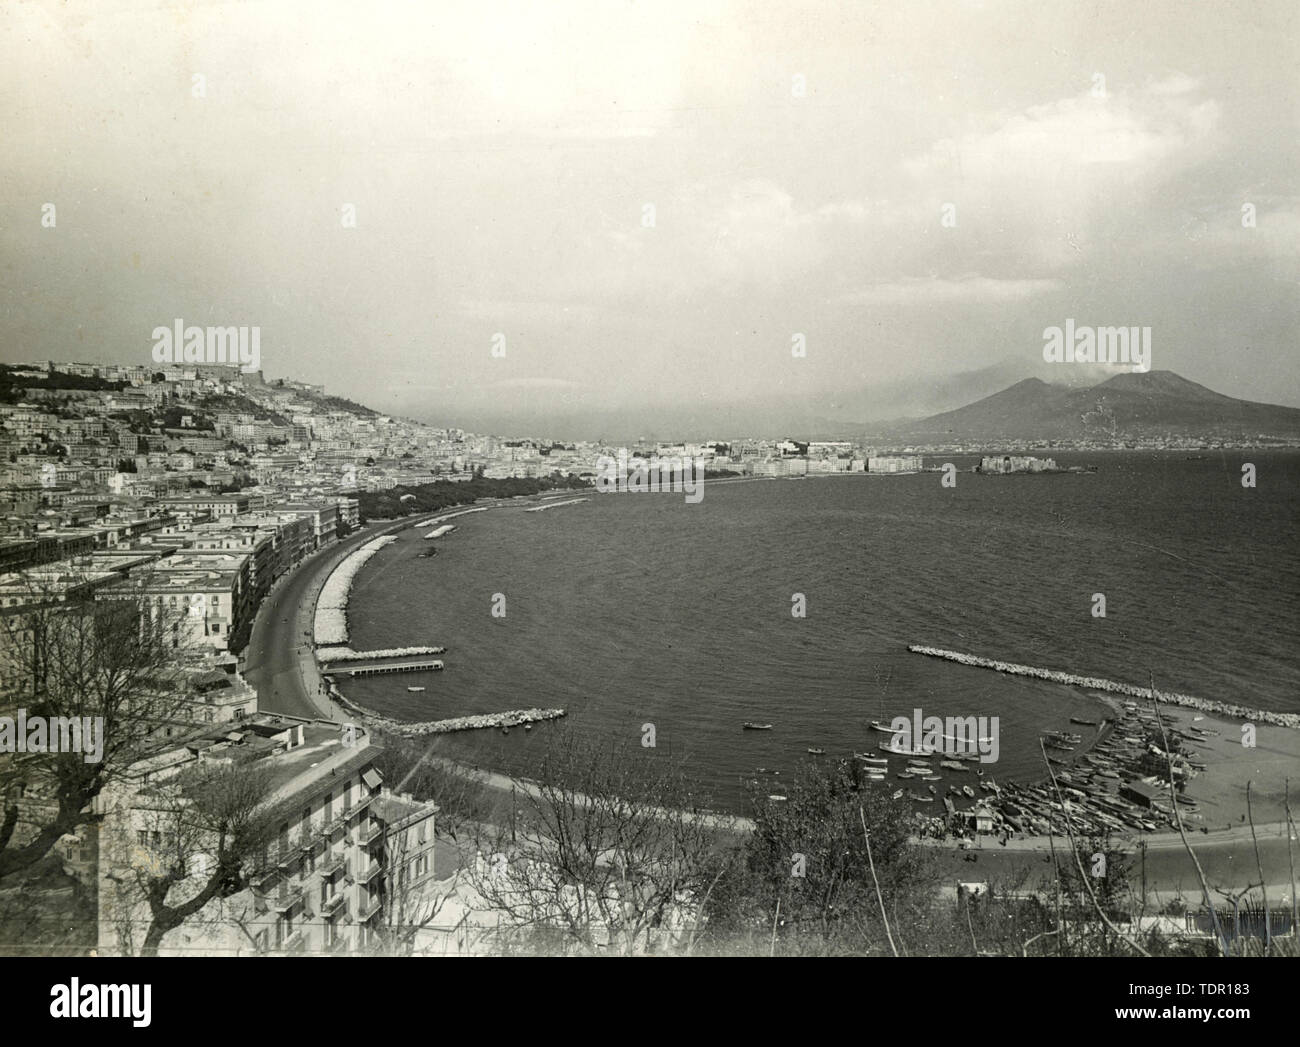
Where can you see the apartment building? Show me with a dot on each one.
(322, 881)
(322, 517)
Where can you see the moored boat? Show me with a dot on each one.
(875, 761)
(749, 725)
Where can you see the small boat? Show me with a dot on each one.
(932, 789)
(902, 750)
(968, 792)
(883, 728)
(415, 690)
(528, 727)
(776, 797)
(1086, 723)
(898, 794)
(818, 752)
(748, 725)
(505, 730)
(875, 761)
(904, 774)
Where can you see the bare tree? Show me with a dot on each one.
(837, 858)
(610, 847)
(115, 663)
(211, 823)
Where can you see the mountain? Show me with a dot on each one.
(1126, 407)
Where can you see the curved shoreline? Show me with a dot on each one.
(330, 625)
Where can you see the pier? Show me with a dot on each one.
(379, 670)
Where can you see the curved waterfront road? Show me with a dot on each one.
(278, 660)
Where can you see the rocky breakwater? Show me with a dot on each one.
(512, 718)
(1096, 683)
(346, 654)
(332, 604)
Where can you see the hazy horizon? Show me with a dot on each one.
(799, 160)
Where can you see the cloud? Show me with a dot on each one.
(966, 290)
(1049, 176)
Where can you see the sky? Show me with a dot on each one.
(646, 208)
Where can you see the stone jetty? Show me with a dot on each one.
(513, 718)
(1096, 683)
(346, 654)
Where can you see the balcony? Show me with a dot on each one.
(357, 808)
(287, 900)
(369, 910)
(337, 946)
(331, 865)
(331, 904)
(374, 869)
(369, 833)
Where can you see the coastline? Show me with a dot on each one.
(1221, 787)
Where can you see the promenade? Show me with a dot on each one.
(279, 660)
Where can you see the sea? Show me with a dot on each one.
(629, 610)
